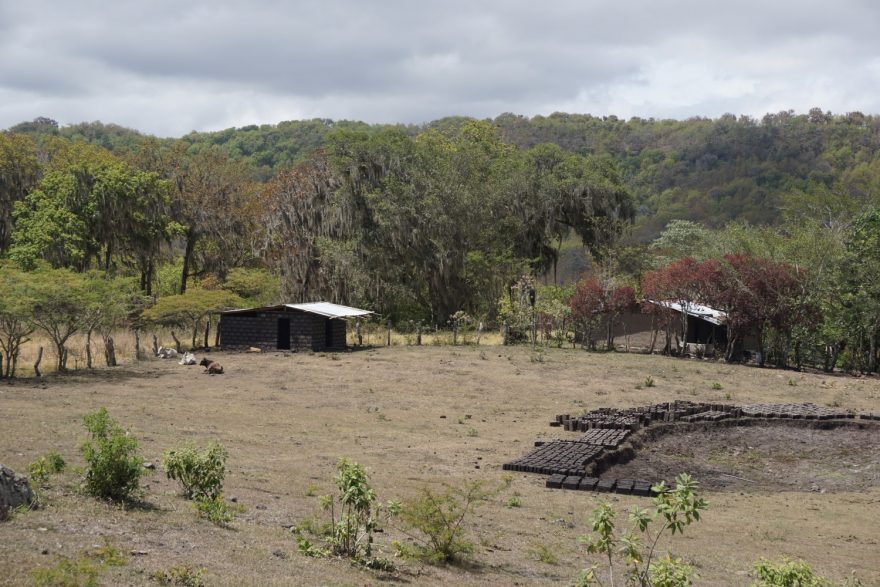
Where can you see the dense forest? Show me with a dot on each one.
(438, 221)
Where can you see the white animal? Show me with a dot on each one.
(166, 353)
(188, 359)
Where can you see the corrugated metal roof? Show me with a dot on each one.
(325, 309)
(708, 314)
(329, 310)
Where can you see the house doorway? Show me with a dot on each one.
(284, 333)
(328, 334)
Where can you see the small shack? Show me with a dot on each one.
(315, 326)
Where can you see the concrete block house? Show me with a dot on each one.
(315, 326)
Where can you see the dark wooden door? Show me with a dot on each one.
(284, 333)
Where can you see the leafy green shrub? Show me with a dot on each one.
(438, 519)
(350, 533)
(215, 509)
(199, 473)
(674, 508)
(787, 573)
(114, 468)
(514, 501)
(717, 386)
(649, 381)
(50, 463)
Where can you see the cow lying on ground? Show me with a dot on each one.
(166, 353)
(212, 367)
(188, 359)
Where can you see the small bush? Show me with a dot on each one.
(350, 532)
(200, 474)
(787, 573)
(114, 468)
(544, 554)
(649, 381)
(80, 572)
(182, 575)
(50, 463)
(66, 572)
(717, 386)
(674, 510)
(514, 502)
(438, 520)
(215, 509)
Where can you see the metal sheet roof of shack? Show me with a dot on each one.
(325, 309)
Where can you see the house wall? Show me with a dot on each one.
(307, 331)
(338, 334)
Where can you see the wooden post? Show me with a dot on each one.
(388, 340)
(505, 332)
(176, 341)
(137, 345)
(217, 336)
(1, 366)
(454, 332)
(155, 346)
(207, 331)
(419, 334)
(357, 330)
(37, 364)
(479, 332)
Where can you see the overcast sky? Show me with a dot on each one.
(168, 67)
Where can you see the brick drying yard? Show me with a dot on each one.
(417, 416)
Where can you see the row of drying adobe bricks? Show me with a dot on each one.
(565, 457)
(624, 486)
(633, 418)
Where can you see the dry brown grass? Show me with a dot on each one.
(401, 411)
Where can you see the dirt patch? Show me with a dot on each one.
(762, 457)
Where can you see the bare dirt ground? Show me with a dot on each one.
(776, 456)
(415, 416)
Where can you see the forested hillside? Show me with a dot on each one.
(705, 170)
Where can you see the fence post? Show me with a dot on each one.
(37, 364)
(388, 340)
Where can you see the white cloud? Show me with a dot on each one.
(168, 67)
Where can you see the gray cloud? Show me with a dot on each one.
(168, 67)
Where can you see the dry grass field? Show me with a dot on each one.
(415, 416)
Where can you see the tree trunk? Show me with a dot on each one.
(37, 363)
(89, 348)
(187, 259)
(609, 334)
(195, 334)
(2, 374)
(505, 333)
(61, 363)
(217, 336)
(872, 350)
(137, 345)
(176, 341)
(761, 347)
(479, 333)
(418, 334)
(109, 351)
(150, 270)
(207, 330)
(388, 340)
(155, 345)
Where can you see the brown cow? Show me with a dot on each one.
(212, 367)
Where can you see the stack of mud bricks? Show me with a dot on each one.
(584, 483)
